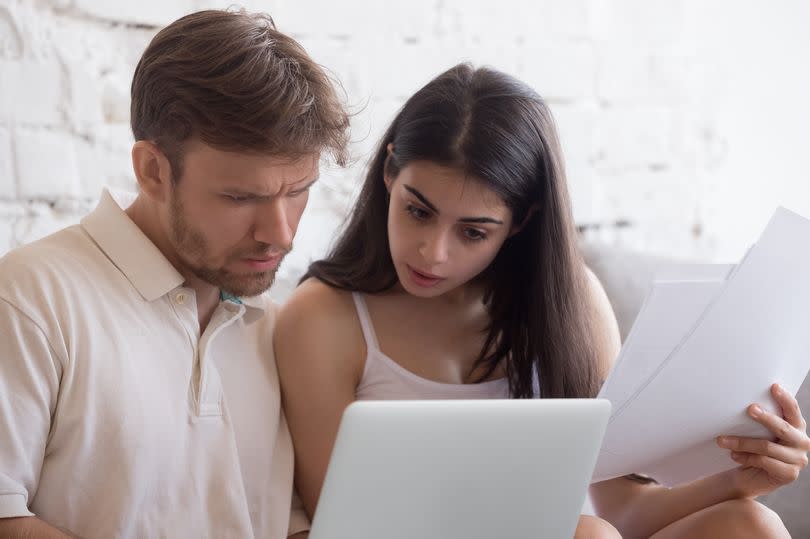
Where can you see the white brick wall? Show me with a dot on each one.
(32, 91)
(687, 119)
(8, 189)
(46, 164)
(146, 12)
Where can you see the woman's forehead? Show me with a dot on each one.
(450, 188)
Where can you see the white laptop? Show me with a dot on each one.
(460, 469)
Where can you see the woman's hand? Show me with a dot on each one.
(766, 465)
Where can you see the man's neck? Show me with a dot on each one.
(208, 297)
(146, 218)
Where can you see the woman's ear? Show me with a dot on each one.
(517, 227)
(152, 170)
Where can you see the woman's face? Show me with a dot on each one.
(444, 228)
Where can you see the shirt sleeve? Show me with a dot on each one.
(29, 383)
(299, 522)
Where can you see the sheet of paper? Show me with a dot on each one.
(752, 333)
(669, 312)
(679, 293)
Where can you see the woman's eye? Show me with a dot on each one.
(473, 234)
(417, 213)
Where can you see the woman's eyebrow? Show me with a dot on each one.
(471, 220)
(480, 220)
(421, 197)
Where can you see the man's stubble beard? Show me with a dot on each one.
(190, 246)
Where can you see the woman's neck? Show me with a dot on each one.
(469, 295)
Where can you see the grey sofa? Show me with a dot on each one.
(626, 277)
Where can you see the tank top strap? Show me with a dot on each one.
(365, 321)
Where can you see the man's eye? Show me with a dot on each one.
(236, 198)
(298, 193)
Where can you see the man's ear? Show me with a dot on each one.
(520, 226)
(152, 170)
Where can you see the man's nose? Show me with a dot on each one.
(273, 225)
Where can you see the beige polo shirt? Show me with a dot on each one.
(117, 417)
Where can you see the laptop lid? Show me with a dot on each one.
(460, 469)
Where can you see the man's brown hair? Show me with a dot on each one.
(231, 80)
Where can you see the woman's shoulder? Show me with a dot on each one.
(317, 321)
(315, 295)
(316, 306)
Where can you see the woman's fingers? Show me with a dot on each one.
(779, 472)
(786, 456)
(790, 407)
(767, 448)
(786, 433)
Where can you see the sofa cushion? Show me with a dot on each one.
(627, 277)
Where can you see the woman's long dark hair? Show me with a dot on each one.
(499, 131)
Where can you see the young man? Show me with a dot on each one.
(138, 387)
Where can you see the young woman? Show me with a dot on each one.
(458, 276)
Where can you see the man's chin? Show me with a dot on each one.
(248, 286)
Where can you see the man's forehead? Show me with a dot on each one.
(299, 172)
(241, 164)
(197, 148)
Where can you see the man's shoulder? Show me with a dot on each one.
(264, 308)
(46, 263)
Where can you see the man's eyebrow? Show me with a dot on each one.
(470, 220)
(308, 185)
(309, 178)
(422, 198)
(252, 194)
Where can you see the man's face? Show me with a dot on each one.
(232, 216)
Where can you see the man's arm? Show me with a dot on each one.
(29, 383)
(31, 528)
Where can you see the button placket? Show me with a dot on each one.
(185, 308)
(183, 304)
(209, 396)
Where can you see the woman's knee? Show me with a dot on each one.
(590, 527)
(750, 518)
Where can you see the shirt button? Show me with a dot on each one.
(181, 298)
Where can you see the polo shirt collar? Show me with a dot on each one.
(254, 302)
(128, 248)
(134, 254)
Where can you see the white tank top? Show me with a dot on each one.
(385, 379)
